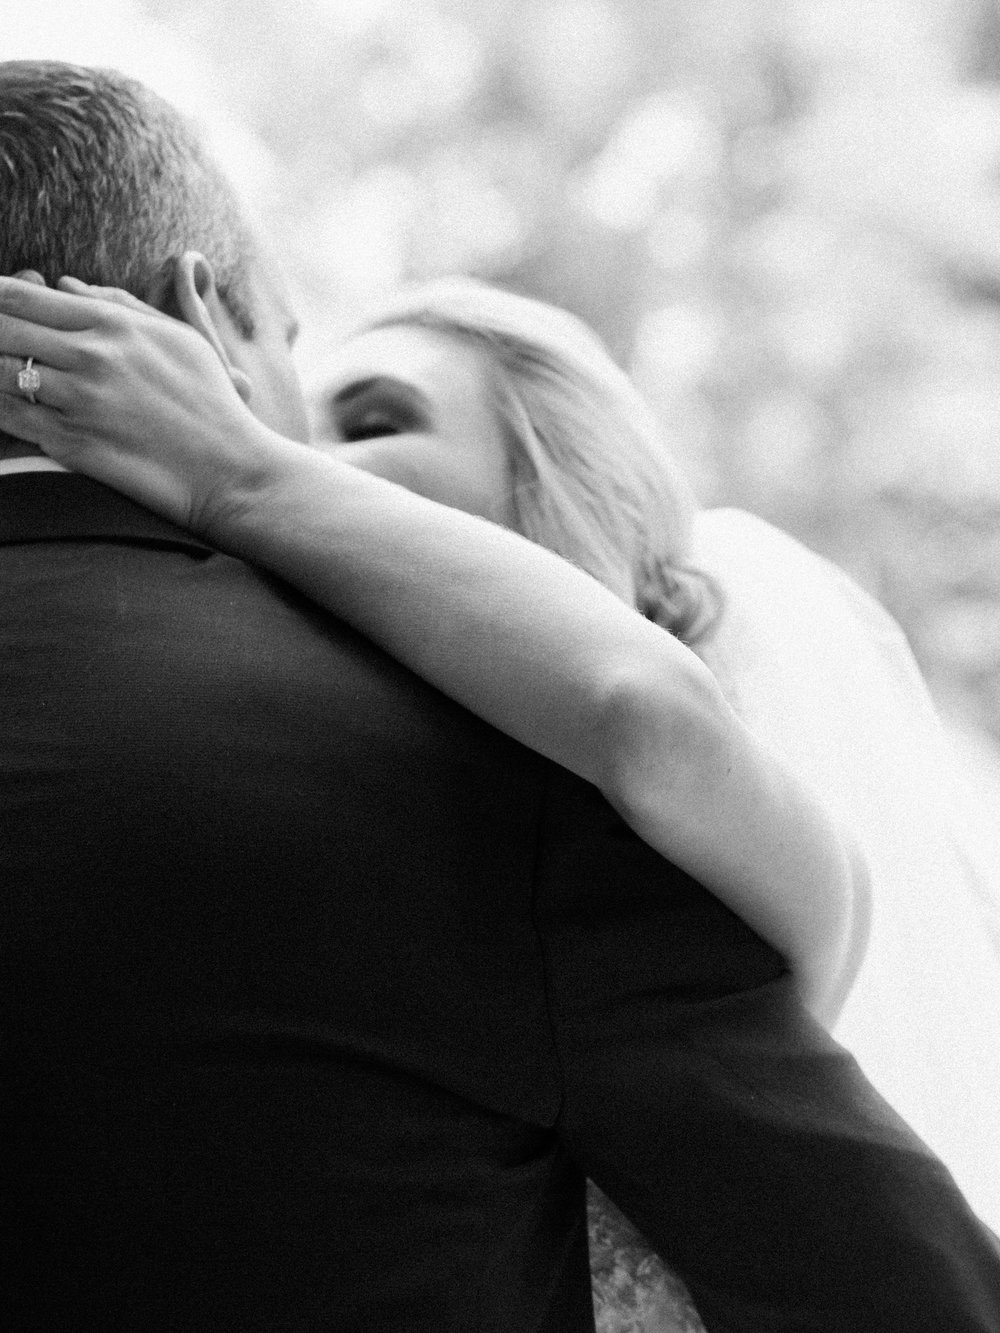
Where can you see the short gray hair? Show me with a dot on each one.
(103, 180)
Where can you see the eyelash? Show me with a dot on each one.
(376, 419)
(369, 424)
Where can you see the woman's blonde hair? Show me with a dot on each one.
(592, 479)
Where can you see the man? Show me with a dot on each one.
(277, 1047)
(286, 1053)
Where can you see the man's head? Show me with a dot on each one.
(101, 179)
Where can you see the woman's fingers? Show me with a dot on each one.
(57, 328)
(20, 338)
(27, 297)
(53, 385)
(45, 305)
(75, 328)
(111, 295)
(34, 423)
(72, 307)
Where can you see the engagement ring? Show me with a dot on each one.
(29, 380)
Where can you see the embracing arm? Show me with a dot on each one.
(546, 654)
(509, 630)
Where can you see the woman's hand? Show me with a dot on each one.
(130, 396)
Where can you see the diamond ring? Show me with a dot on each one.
(29, 380)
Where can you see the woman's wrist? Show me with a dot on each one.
(232, 488)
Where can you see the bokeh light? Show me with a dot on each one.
(785, 219)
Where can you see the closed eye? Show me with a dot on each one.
(371, 424)
(372, 408)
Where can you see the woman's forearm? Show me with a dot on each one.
(546, 654)
(764, 843)
(505, 627)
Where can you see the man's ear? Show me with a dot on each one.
(191, 295)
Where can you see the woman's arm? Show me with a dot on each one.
(549, 656)
(509, 630)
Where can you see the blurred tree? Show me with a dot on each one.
(980, 51)
(781, 218)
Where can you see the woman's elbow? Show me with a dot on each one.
(659, 723)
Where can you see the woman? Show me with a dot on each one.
(553, 420)
(817, 669)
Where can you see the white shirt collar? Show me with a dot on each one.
(30, 463)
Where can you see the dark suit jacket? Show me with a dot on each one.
(311, 980)
(278, 1053)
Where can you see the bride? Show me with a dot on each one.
(511, 411)
(816, 668)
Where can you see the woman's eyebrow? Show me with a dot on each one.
(358, 388)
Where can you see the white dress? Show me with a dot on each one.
(819, 670)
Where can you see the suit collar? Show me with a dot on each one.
(57, 506)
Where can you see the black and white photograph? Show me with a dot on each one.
(500, 666)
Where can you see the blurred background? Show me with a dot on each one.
(783, 218)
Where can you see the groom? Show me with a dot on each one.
(321, 994)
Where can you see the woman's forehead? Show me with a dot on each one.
(436, 361)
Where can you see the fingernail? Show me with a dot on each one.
(31, 275)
